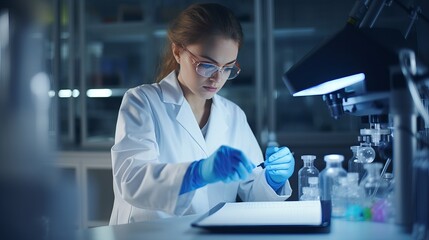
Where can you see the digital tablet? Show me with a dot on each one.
(269, 217)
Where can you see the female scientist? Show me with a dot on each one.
(179, 147)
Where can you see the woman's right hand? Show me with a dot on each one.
(225, 164)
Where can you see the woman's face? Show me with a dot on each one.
(219, 51)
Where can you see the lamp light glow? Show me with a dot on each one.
(331, 86)
(99, 93)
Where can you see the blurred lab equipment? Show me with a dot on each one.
(356, 164)
(33, 203)
(364, 71)
(307, 171)
(375, 193)
(421, 194)
(390, 196)
(366, 153)
(355, 198)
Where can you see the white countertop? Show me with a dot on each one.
(180, 228)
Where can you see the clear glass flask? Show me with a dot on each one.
(307, 171)
(373, 185)
(366, 153)
(375, 190)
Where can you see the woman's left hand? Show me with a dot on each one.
(279, 166)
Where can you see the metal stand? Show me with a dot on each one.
(404, 147)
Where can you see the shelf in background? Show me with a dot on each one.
(126, 31)
(139, 31)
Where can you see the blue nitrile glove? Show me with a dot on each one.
(225, 164)
(279, 166)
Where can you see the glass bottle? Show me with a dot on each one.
(375, 190)
(356, 164)
(330, 175)
(307, 171)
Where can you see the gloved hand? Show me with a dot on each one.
(279, 166)
(225, 164)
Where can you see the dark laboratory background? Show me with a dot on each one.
(94, 50)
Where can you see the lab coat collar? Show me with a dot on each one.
(172, 93)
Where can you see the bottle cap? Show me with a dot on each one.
(308, 157)
(334, 158)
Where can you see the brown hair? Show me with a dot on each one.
(193, 25)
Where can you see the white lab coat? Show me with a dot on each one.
(157, 137)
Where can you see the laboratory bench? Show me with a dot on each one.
(180, 228)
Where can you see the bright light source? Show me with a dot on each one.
(39, 84)
(331, 86)
(51, 93)
(64, 93)
(75, 93)
(99, 93)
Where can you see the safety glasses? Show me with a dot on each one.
(208, 69)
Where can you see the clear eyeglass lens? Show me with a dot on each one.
(207, 70)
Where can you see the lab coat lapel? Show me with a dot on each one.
(186, 118)
(172, 93)
(218, 125)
